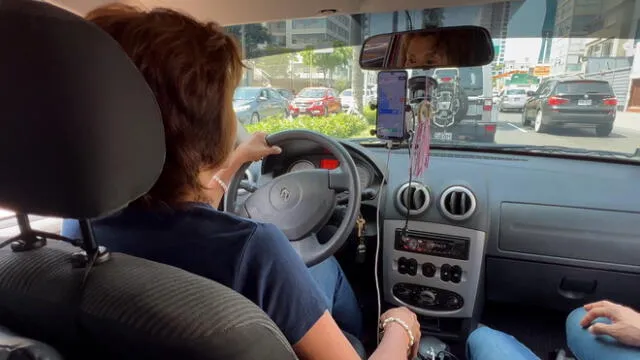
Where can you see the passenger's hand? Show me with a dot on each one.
(254, 149)
(409, 318)
(625, 322)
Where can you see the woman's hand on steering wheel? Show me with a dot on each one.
(253, 149)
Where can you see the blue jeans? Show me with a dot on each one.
(484, 343)
(586, 346)
(340, 297)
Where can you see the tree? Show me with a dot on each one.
(254, 35)
(432, 18)
(275, 61)
(327, 62)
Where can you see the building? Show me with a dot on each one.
(317, 32)
(610, 30)
(495, 18)
(575, 21)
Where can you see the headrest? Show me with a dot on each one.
(81, 134)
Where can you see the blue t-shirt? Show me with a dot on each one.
(254, 259)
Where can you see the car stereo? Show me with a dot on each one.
(441, 245)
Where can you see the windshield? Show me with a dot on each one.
(516, 92)
(312, 93)
(582, 87)
(567, 47)
(243, 93)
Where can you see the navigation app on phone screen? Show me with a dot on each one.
(392, 92)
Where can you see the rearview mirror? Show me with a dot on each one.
(531, 93)
(459, 46)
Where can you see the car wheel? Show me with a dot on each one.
(255, 118)
(538, 126)
(525, 120)
(604, 130)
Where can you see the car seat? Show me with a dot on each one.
(81, 136)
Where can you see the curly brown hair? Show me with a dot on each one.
(193, 69)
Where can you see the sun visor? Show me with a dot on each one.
(81, 134)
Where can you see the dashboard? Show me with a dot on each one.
(479, 226)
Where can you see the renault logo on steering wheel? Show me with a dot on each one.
(285, 194)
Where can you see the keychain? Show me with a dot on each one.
(361, 252)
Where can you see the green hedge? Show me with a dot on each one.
(370, 115)
(339, 125)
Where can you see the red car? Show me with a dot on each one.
(316, 101)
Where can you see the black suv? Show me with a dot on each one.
(571, 103)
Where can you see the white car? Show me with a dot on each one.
(346, 97)
(512, 99)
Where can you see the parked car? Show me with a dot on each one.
(286, 93)
(512, 99)
(253, 104)
(346, 99)
(572, 103)
(316, 101)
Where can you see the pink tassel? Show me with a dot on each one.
(421, 144)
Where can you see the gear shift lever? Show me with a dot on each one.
(430, 347)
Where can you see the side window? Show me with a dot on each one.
(547, 89)
(542, 88)
(9, 224)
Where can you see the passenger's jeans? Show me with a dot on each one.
(586, 346)
(484, 343)
(339, 295)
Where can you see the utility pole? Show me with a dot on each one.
(243, 47)
(357, 77)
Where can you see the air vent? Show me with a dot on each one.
(457, 203)
(413, 198)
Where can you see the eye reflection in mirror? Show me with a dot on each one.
(421, 49)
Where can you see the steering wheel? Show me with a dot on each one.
(300, 203)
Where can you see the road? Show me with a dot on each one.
(511, 131)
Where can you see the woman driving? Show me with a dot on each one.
(193, 69)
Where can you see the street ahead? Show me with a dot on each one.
(511, 131)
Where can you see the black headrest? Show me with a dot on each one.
(81, 133)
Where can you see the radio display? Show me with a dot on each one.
(442, 245)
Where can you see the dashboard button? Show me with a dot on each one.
(428, 270)
(403, 265)
(412, 267)
(456, 274)
(445, 272)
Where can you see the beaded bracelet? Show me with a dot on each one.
(389, 320)
(222, 184)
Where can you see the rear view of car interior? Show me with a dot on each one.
(511, 235)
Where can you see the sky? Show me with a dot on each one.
(523, 31)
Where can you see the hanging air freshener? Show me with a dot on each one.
(421, 143)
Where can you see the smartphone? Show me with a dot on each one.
(392, 99)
